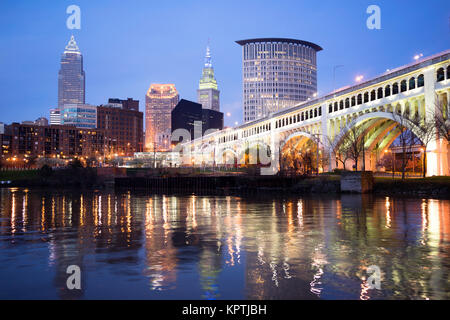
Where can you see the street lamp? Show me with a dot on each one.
(392, 161)
(422, 151)
(418, 56)
(359, 78)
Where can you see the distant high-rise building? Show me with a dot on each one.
(159, 102)
(277, 73)
(71, 77)
(188, 115)
(207, 93)
(79, 115)
(55, 116)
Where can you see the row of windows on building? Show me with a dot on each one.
(277, 50)
(443, 74)
(291, 71)
(284, 63)
(379, 93)
(301, 116)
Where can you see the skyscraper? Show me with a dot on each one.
(207, 93)
(71, 77)
(159, 103)
(189, 115)
(277, 73)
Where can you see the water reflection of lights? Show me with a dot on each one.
(25, 210)
(13, 212)
(99, 211)
(286, 268)
(230, 252)
(274, 274)
(300, 213)
(388, 213)
(271, 249)
(365, 287)
(319, 261)
(43, 214)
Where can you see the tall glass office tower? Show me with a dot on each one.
(71, 77)
(208, 93)
(277, 73)
(159, 103)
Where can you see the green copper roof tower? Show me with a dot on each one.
(208, 93)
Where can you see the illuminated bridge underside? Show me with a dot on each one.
(414, 89)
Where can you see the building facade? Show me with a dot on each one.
(41, 121)
(32, 140)
(79, 115)
(129, 104)
(122, 124)
(208, 94)
(189, 116)
(277, 73)
(159, 103)
(55, 116)
(71, 76)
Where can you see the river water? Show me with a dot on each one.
(131, 245)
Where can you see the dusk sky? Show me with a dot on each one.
(127, 45)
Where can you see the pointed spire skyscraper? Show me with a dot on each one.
(71, 77)
(208, 93)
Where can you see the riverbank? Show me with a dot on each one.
(218, 183)
(436, 187)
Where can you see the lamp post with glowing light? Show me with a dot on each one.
(422, 151)
(392, 161)
(418, 56)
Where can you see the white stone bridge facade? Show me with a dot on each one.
(376, 105)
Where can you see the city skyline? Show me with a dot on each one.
(246, 152)
(127, 69)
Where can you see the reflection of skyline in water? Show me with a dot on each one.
(156, 246)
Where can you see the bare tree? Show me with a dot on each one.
(442, 120)
(351, 145)
(426, 131)
(406, 137)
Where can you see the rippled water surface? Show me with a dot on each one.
(142, 246)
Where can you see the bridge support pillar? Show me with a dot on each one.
(437, 161)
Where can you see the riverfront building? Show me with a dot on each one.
(122, 123)
(159, 103)
(32, 140)
(277, 73)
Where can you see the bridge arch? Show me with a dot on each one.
(297, 135)
(373, 116)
